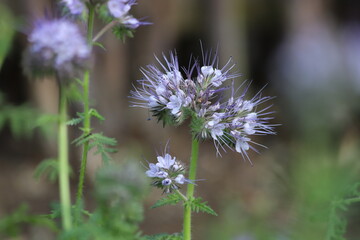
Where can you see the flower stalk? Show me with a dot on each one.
(190, 188)
(87, 117)
(63, 155)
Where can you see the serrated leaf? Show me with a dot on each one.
(165, 236)
(171, 199)
(99, 45)
(49, 168)
(73, 92)
(121, 32)
(99, 137)
(46, 119)
(93, 112)
(74, 121)
(197, 205)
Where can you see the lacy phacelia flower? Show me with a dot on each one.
(167, 173)
(199, 94)
(58, 46)
(76, 7)
(119, 9)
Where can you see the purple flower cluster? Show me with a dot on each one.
(76, 7)
(167, 173)
(57, 45)
(172, 97)
(119, 9)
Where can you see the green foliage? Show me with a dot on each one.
(103, 13)
(122, 32)
(94, 113)
(119, 192)
(165, 236)
(11, 225)
(337, 222)
(103, 145)
(197, 205)
(21, 119)
(74, 121)
(73, 91)
(7, 32)
(49, 168)
(170, 199)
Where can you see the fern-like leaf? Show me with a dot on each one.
(49, 168)
(171, 199)
(74, 121)
(165, 236)
(93, 112)
(197, 205)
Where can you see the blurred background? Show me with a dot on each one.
(307, 52)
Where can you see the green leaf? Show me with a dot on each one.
(121, 32)
(99, 45)
(7, 32)
(46, 119)
(100, 138)
(197, 205)
(171, 199)
(73, 91)
(165, 236)
(74, 121)
(93, 112)
(49, 168)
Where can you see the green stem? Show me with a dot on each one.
(190, 188)
(184, 198)
(63, 155)
(87, 123)
(104, 30)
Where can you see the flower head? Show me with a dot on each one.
(167, 173)
(76, 7)
(199, 93)
(59, 46)
(119, 9)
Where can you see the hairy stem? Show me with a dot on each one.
(190, 188)
(87, 123)
(63, 155)
(104, 30)
(184, 198)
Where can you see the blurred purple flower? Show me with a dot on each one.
(76, 7)
(57, 45)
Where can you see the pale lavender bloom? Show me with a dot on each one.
(76, 7)
(118, 8)
(199, 93)
(174, 104)
(163, 90)
(180, 179)
(165, 162)
(153, 171)
(167, 173)
(132, 23)
(57, 45)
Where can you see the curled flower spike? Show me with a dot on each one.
(167, 173)
(56, 46)
(199, 93)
